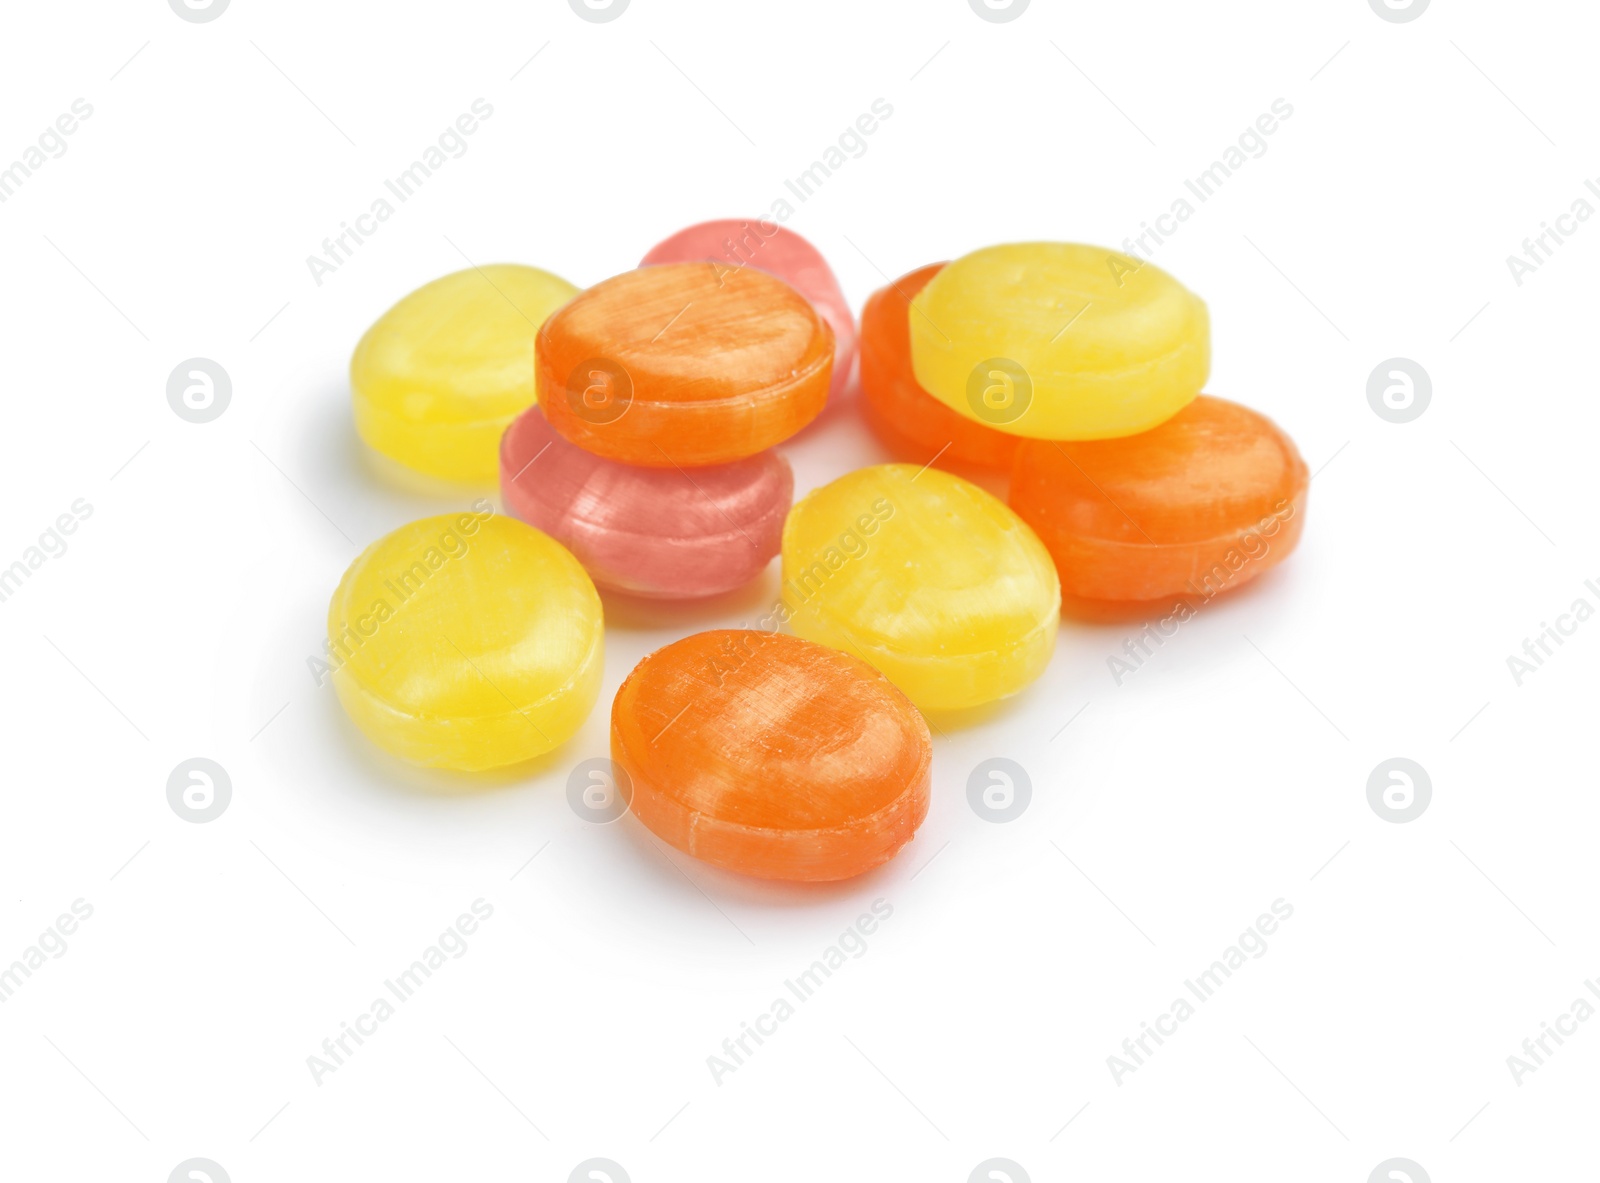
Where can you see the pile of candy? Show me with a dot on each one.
(631, 429)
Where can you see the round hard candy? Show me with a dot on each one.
(1059, 341)
(466, 641)
(769, 755)
(440, 375)
(665, 533)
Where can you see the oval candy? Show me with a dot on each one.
(664, 533)
(437, 379)
(1060, 341)
(927, 577)
(681, 365)
(771, 756)
(1207, 501)
(466, 641)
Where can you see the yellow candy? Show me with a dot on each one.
(466, 641)
(925, 576)
(441, 375)
(1060, 341)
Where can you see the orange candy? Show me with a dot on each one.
(905, 416)
(772, 756)
(1210, 499)
(683, 365)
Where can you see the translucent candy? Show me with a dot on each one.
(666, 533)
(905, 416)
(440, 375)
(925, 576)
(1060, 341)
(731, 244)
(1209, 500)
(684, 365)
(769, 755)
(466, 641)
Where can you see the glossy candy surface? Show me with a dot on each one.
(1060, 341)
(926, 576)
(684, 365)
(1201, 504)
(769, 755)
(665, 533)
(440, 375)
(733, 243)
(466, 641)
(905, 416)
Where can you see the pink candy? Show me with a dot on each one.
(665, 533)
(769, 247)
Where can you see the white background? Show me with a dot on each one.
(1172, 810)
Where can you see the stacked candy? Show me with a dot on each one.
(646, 467)
(1079, 370)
